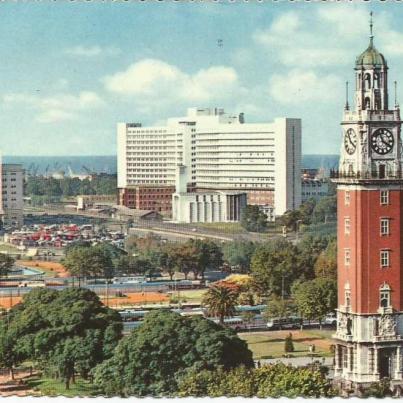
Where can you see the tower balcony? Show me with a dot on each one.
(352, 175)
(367, 115)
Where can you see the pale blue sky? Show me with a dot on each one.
(69, 72)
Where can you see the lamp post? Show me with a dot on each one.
(297, 230)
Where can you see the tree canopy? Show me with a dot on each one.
(6, 263)
(65, 332)
(316, 298)
(238, 254)
(150, 360)
(275, 380)
(89, 261)
(253, 219)
(274, 266)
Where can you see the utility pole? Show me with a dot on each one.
(107, 293)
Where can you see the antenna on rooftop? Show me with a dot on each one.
(347, 107)
(396, 104)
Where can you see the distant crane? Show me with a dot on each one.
(87, 170)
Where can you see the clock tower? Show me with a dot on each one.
(369, 336)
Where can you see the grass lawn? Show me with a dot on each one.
(5, 247)
(190, 295)
(52, 387)
(271, 344)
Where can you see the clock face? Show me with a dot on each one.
(382, 141)
(350, 141)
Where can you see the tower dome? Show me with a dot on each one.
(370, 57)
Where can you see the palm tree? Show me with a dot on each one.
(220, 300)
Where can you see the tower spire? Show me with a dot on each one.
(347, 107)
(371, 24)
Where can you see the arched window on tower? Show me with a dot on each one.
(376, 81)
(367, 103)
(384, 296)
(367, 80)
(347, 296)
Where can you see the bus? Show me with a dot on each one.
(129, 280)
(291, 322)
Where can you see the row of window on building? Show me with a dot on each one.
(384, 296)
(383, 197)
(384, 258)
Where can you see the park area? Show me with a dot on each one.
(266, 345)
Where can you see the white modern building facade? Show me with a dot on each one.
(12, 194)
(212, 206)
(222, 152)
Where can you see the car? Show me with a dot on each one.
(330, 319)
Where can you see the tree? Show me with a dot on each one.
(167, 261)
(288, 344)
(278, 308)
(238, 254)
(247, 288)
(207, 255)
(253, 219)
(184, 255)
(326, 263)
(152, 358)
(274, 267)
(325, 210)
(66, 332)
(94, 261)
(6, 263)
(290, 218)
(220, 300)
(316, 298)
(275, 380)
(308, 251)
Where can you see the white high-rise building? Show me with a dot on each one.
(222, 153)
(12, 194)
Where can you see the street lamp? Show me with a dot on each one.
(297, 229)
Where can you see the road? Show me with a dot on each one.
(173, 232)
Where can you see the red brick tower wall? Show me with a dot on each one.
(365, 241)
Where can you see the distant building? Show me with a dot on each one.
(147, 197)
(89, 201)
(12, 194)
(269, 211)
(314, 189)
(223, 153)
(213, 206)
(124, 213)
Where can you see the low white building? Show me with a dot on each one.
(12, 194)
(214, 206)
